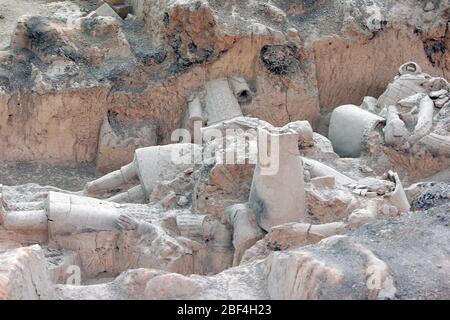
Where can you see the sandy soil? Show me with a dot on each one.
(65, 177)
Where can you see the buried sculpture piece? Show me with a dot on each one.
(65, 214)
(240, 89)
(277, 193)
(198, 242)
(148, 166)
(213, 103)
(409, 81)
(278, 180)
(178, 224)
(411, 122)
(218, 100)
(277, 196)
(265, 210)
(246, 231)
(395, 132)
(349, 130)
(194, 243)
(410, 117)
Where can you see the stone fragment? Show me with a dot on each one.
(304, 130)
(169, 201)
(32, 220)
(438, 94)
(398, 196)
(69, 214)
(362, 216)
(414, 190)
(164, 162)
(438, 145)
(135, 194)
(274, 13)
(370, 104)
(131, 17)
(183, 201)
(365, 169)
(439, 103)
(291, 235)
(378, 186)
(292, 35)
(92, 14)
(137, 7)
(217, 101)
(20, 39)
(436, 84)
(191, 226)
(194, 116)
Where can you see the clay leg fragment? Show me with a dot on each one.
(319, 169)
(424, 120)
(112, 180)
(290, 235)
(246, 231)
(194, 118)
(133, 195)
(69, 214)
(35, 220)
